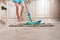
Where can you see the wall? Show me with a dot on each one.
(0, 10)
(59, 10)
(54, 9)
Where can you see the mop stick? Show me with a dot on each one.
(30, 17)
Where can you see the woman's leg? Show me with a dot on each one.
(17, 9)
(22, 10)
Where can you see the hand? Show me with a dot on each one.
(28, 1)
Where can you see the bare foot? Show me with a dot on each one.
(19, 20)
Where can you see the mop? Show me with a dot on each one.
(30, 18)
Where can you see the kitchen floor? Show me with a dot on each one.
(30, 33)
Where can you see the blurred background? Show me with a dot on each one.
(40, 10)
(46, 10)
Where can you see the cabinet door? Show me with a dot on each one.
(3, 12)
(11, 10)
(42, 8)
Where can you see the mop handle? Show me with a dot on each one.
(30, 17)
(26, 7)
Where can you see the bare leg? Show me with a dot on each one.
(17, 9)
(22, 10)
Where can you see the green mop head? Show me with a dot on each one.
(33, 23)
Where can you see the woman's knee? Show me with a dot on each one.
(23, 5)
(16, 4)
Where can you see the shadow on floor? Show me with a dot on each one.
(40, 25)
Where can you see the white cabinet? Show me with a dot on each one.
(3, 12)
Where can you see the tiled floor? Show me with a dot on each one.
(30, 33)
